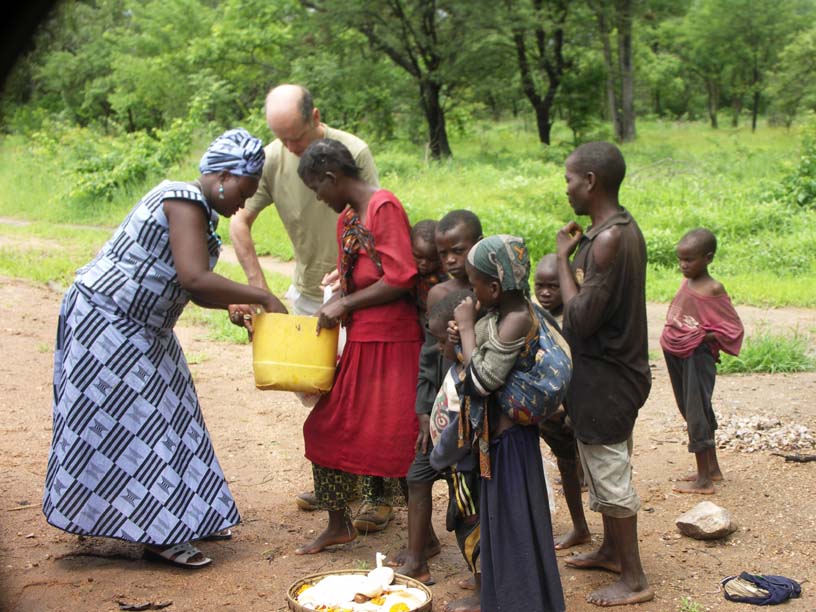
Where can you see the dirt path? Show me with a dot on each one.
(257, 436)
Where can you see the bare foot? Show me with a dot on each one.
(715, 476)
(468, 584)
(593, 560)
(619, 594)
(466, 604)
(328, 538)
(695, 487)
(418, 571)
(573, 538)
(432, 548)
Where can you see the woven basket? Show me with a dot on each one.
(291, 597)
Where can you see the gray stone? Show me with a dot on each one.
(706, 521)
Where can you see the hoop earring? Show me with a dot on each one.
(221, 191)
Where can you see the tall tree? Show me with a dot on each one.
(616, 18)
(792, 85)
(425, 38)
(537, 28)
(733, 45)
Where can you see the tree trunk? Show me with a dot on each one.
(611, 89)
(711, 91)
(755, 111)
(429, 92)
(736, 106)
(627, 70)
(542, 112)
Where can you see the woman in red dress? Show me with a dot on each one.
(366, 424)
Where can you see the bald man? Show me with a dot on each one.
(312, 227)
(295, 122)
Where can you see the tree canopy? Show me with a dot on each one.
(414, 69)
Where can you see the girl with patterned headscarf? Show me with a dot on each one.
(130, 456)
(514, 510)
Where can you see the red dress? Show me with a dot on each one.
(366, 424)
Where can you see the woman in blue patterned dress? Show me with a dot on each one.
(131, 457)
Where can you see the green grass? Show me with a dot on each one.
(679, 176)
(771, 353)
(47, 253)
(687, 604)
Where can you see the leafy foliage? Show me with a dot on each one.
(772, 353)
(800, 185)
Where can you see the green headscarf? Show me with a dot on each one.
(503, 257)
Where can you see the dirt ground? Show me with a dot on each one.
(257, 436)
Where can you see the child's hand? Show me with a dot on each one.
(453, 333)
(465, 313)
(567, 239)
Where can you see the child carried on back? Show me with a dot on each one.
(514, 510)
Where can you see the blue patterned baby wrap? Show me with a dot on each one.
(538, 384)
(130, 456)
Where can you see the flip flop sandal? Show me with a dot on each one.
(180, 554)
(224, 534)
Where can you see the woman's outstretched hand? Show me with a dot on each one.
(273, 304)
(241, 315)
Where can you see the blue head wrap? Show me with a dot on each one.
(236, 151)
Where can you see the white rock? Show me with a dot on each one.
(706, 521)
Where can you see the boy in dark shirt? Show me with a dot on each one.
(605, 324)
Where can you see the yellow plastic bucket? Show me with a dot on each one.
(287, 355)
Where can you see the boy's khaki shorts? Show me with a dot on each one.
(608, 473)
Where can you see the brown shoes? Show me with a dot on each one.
(373, 517)
(306, 501)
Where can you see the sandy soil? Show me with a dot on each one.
(257, 436)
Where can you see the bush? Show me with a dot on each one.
(800, 186)
(767, 352)
(97, 166)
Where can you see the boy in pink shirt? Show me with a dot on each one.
(700, 323)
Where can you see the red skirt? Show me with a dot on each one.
(366, 424)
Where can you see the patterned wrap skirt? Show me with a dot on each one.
(130, 457)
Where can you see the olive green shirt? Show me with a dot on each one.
(311, 225)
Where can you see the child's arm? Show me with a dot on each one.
(426, 390)
(491, 361)
(722, 324)
(514, 325)
(465, 316)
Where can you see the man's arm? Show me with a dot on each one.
(587, 308)
(241, 236)
(566, 241)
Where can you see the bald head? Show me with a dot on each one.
(548, 264)
(547, 287)
(292, 117)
